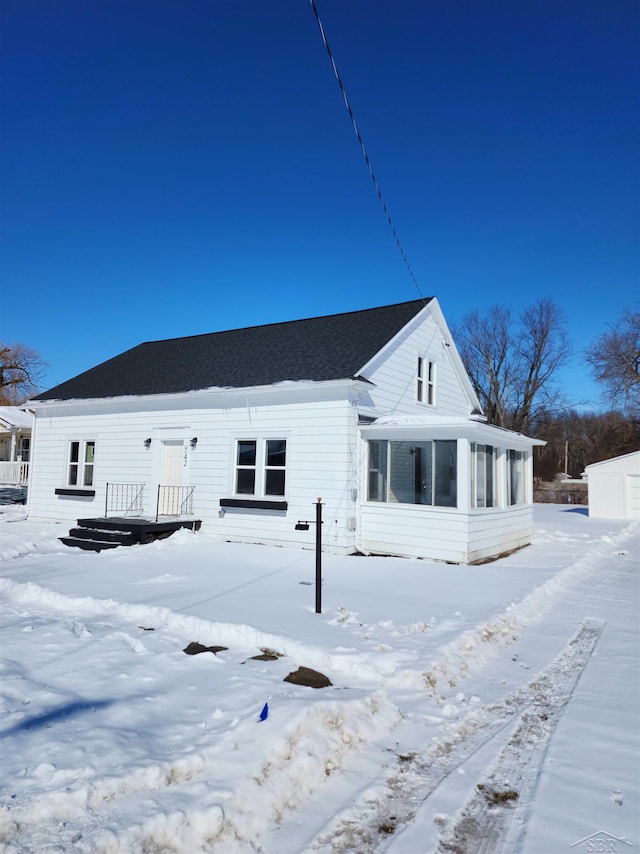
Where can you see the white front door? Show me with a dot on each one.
(172, 474)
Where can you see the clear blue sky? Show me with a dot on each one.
(173, 168)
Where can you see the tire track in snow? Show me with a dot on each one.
(485, 819)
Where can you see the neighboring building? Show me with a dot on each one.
(614, 487)
(371, 411)
(15, 445)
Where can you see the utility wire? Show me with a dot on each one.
(362, 147)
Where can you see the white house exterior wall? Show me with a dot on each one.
(321, 459)
(394, 373)
(413, 530)
(498, 530)
(438, 533)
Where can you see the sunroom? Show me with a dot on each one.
(454, 490)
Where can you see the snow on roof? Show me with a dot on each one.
(438, 427)
(14, 418)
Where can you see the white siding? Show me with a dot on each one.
(394, 374)
(438, 533)
(321, 460)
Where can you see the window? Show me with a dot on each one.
(274, 470)
(377, 482)
(483, 479)
(261, 467)
(413, 472)
(81, 463)
(426, 390)
(23, 449)
(516, 479)
(246, 467)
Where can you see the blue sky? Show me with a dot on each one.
(174, 168)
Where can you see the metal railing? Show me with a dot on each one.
(174, 501)
(14, 473)
(125, 498)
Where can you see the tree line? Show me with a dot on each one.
(513, 363)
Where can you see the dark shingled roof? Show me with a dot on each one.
(320, 348)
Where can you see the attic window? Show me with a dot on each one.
(426, 381)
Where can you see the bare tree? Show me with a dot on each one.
(513, 366)
(614, 358)
(21, 368)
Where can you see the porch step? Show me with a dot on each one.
(87, 544)
(109, 533)
(119, 537)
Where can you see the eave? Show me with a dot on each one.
(432, 427)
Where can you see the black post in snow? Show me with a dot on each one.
(303, 525)
(319, 556)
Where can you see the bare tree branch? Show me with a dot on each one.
(513, 367)
(21, 369)
(614, 359)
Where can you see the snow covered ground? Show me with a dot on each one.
(489, 708)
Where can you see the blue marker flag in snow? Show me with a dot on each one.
(264, 712)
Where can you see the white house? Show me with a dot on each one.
(15, 445)
(614, 487)
(370, 411)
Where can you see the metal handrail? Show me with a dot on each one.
(174, 501)
(127, 498)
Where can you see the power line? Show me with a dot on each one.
(362, 147)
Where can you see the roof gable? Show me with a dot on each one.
(317, 349)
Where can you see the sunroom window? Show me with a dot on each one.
(483, 475)
(516, 479)
(377, 482)
(413, 472)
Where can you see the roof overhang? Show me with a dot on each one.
(203, 398)
(424, 428)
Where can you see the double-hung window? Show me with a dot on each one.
(426, 381)
(81, 463)
(483, 475)
(261, 467)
